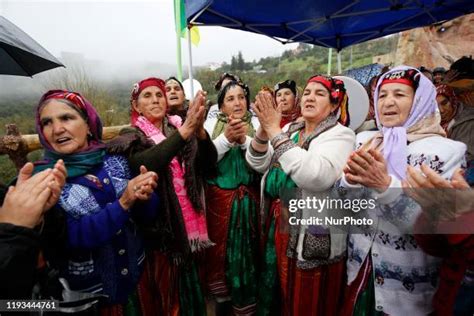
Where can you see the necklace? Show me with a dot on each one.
(303, 137)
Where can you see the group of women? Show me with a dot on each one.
(179, 208)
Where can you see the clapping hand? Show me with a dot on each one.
(139, 188)
(195, 117)
(368, 169)
(235, 130)
(443, 199)
(26, 202)
(268, 113)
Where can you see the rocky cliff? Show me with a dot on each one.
(437, 45)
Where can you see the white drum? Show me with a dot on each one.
(358, 101)
(187, 88)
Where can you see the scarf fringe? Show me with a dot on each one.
(199, 244)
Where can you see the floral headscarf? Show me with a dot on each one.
(76, 163)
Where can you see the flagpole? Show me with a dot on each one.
(179, 63)
(190, 69)
(339, 66)
(329, 61)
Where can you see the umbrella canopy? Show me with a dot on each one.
(20, 55)
(336, 23)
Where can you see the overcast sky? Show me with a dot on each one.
(124, 30)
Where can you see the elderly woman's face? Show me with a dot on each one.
(151, 103)
(235, 103)
(394, 104)
(286, 99)
(63, 127)
(445, 108)
(315, 103)
(175, 95)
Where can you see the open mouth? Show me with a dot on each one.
(62, 140)
(309, 106)
(172, 98)
(390, 113)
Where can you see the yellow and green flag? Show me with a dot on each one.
(181, 25)
(181, 28)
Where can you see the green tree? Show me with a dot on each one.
(240, 62)
(233, 64)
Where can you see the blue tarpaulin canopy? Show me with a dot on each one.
(328, 23)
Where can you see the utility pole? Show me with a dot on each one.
(329, 61)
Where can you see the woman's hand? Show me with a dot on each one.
(235, 130)
(26, 203)
(195, 118)
(441, 198)
(139, 188)
(368, 169)
(268, 113)
(60, 175)
(201, 99)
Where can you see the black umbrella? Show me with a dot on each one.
(20, 55)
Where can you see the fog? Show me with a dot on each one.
(123, 40)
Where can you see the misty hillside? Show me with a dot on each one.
(299, 64)
(108, 87)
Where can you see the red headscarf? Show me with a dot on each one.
(409, 77)
(448, 92)
(139, 87)
(337, 95)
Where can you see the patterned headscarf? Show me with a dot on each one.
(225, 89)
(423, 120)
(448, 92)
(76, 163)
(337, 95)
(218, 86)
(139, 87)
(370, 92)
(83, 107)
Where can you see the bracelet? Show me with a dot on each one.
(260, 141)
(255, 152)
(275, 140)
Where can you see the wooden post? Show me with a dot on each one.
(13, 145)
(17, 146)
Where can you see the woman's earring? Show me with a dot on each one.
(89, 135)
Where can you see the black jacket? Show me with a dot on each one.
(19, 249)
